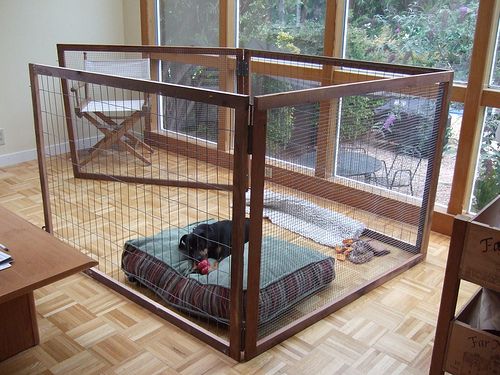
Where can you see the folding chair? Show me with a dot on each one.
(402, 170)
(115, 118)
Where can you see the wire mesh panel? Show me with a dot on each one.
(185, 117)
(208, 68)
(134, 202)
(138, 173)
(293, 131)
(350, 207)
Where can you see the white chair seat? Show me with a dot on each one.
(116, 118)
(113, 106)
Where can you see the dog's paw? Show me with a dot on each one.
(131, 279)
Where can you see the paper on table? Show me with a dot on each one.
(5, 260)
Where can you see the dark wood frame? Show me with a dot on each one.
(240, 103)
(330, 190)
(250, 135)
(475, 94)
(465, 246)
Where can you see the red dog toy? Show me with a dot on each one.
(204, 266)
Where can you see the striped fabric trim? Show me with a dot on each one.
(213, 301)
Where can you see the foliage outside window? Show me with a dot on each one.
(357, 113)
(487, 180)
(432, 33)
(295, 26)
(291, 131)
(189, 22)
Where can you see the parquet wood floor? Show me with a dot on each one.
(87, 329)
(100, 216)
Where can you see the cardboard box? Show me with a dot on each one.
(470, 350)
(481, 254)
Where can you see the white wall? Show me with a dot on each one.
(132, 21)
(29, 32)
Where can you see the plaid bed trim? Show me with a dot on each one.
(294, 287)
(213, 301)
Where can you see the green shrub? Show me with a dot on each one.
(487, 184)
(356, 116)
(425, 33)
(279, 129)
(279, 120)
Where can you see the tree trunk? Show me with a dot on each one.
(297, 12)
(281, 11)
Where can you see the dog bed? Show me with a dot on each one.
(289, 273)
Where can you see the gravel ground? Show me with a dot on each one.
(445, 175)
(446, 170)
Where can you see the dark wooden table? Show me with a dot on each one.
(39, 259)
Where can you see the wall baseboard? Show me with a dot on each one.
(7, 160)
(14, 158)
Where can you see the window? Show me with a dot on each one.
(487, 177)
(487, 173)
(449, 156)
(296, 26)
(495, 70)
(188, 22)
(429, 33)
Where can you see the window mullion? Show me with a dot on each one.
(482, 52)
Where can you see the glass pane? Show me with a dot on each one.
(189, 117)
(193, 118)
(495, 69)
(294, 26)
(189, 22)
(449, 153)
(487, 178)
(433, 33)
(291, 130)
(390, 138)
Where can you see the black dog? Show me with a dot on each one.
(210, 241)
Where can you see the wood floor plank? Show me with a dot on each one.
(85, 328)
(116, 349)
(84, 362)
(61, 347)
(71, 317)
(144, 363)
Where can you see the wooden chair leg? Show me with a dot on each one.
(137, 154)
(115, 136)
(137, 140)
(130, 136)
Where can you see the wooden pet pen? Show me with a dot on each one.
(335, 162)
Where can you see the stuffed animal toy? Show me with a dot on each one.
(204, 266)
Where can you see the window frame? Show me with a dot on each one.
(476, 94)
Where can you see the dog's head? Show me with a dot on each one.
(196, 243)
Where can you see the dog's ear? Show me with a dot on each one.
(182, 242)
(201, 230)
(211, 231)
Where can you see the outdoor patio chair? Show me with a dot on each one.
(115, 118)
(402, 171)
